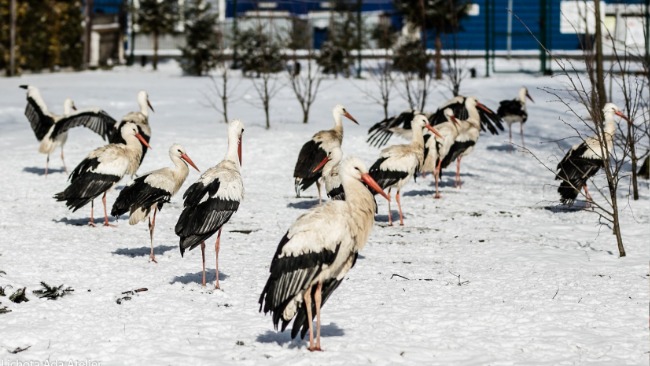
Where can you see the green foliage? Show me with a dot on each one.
(157, 17)
(19, 296)
(411, 57)
(202, 51)
(52, 292)
(48, 34)
(258, 52)
(384, 34)
(441, 15)
(334, 59)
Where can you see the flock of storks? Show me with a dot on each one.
(317, 251)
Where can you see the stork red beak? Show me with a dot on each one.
(239, 149)
(620, 114)
(529, 97)
(453, 119)
(433, 130)
(349, 116)
(149, 104)
(321, 164)
(144, 142)
(189, 161)
(483, 107)
(367, 179)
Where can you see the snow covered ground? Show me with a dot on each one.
(491, 274)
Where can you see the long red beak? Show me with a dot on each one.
(620, 114)
(144, 142)
(149, 104)
(321, 164)
(529, 97)
(349, 116)
(433, 130)
(189, 161)
(483, 107)
(453, 119)
(239, 149)
(367, 179)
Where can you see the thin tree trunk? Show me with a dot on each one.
(438, 56)
(600, 75)
(155, 51)
(224, 95)
(634, 161)
(266, 101)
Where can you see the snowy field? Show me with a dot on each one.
(491, 274)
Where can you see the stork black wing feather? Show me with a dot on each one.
(385, 178)
(198, 222)
(491, 121)
(98, 121)
(574, 170)
(139, 194)
(380, 132)
(40, 122)
(455, 151)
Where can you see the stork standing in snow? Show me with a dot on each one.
(382, 131)
(316, 253)
(52, 129)
(330, 174)
(468, 134)
(316, 149)
(399, 163)
(101, 170)
(141, 119)
(150, 191)
(436, 149)
(213, 199)
(514, 111)
(585, 159)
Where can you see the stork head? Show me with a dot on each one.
(611, 109)
(178, 151)
(449, 113)
(420, 121)
(355, 169)
(131, 129)
(523, 94)
(339, 111)
(143, 101)
(68, 107)
(235, 134)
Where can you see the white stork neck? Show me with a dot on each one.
(179, 171)
(418, 136)
(233, 149)
(609, 124)
(144, 108)
(522, 96)
(473, 116)
(361, 208)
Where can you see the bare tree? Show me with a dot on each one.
(416, 89)
(305, 84)
(267, 86)
(224, 88)
(580, 95)
(383, 83)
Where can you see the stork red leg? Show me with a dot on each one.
(318, 301)
(65, 168)
(390, 216)
(399, 208)
(92, 209)
(152, 226)
(588, 196)
(510, 134)
(105, 213)
(216, 249)
(320, 199)
(436, 175)
(309, 318)
(203, 260)
(458, 184)
(47, 162)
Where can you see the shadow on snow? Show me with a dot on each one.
(281, 338)
(41, 171)
(303, 205)
(197, 277)
(143, 251)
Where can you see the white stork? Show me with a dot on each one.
(382, 131)
(316, 149)
(213, 199)
(101, 170)
(585, 159)
(436, 149)
(468, 134)
(330, 174)
(150, 191)
(399, 163)
(514, 111)
(141, 119)
(316, 253)
(52, 129)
